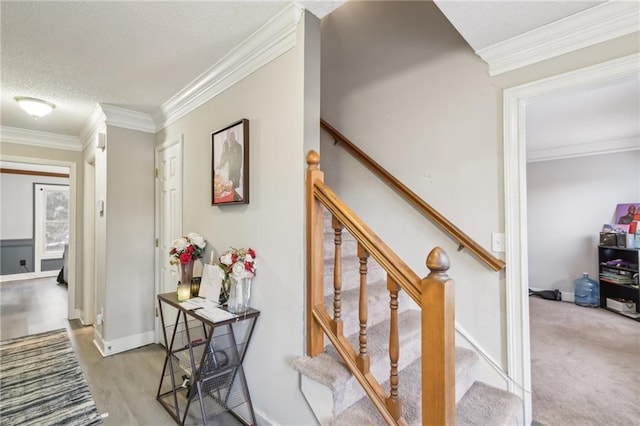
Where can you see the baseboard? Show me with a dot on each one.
(112, 347)
(84, 321)
(490, 371)
(319, 397)
(75, 314)
(262, 418)
(28, 276)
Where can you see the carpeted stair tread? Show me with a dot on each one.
(329, 369)
(482, 405)
(466, 369)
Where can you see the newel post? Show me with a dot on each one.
(315, 231)
(438, 343)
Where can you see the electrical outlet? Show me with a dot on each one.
(497, 242)
(23, 262)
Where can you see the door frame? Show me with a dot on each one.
(159, 255)
(72, 311)
(515, 189)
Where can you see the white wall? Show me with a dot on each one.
(403, 85)
(568, 201)
(281, 103)
(16, 198)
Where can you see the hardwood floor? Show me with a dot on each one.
(123, 385)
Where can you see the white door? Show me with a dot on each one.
(169, 218)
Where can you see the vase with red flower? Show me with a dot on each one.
(184, 251)
(237, 268)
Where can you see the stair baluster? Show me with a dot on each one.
(363, 311)
(394, 404)
(337, 276)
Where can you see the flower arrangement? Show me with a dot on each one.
(186, 249)
(239, 263)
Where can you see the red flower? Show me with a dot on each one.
(185, 258)
(252, 253)
(247, 266)
(191, 249)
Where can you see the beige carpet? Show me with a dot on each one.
(585, 365)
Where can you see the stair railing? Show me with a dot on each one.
(434, 295)
(464, 241)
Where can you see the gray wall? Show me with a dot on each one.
(568, 201)
(281, 101)
(11, 252)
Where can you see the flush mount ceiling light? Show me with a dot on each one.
(34, 106)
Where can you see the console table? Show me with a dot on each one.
(203, 362)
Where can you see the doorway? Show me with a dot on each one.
(517, 283)
(168, 218)
(72, 310)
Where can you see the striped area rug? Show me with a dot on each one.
(41, 383)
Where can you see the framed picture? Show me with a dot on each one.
(230, 164)
(627, 213)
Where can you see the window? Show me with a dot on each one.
(52, 220)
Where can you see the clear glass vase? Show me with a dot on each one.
(186, 272)
(239, 295)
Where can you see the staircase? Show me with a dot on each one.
(476, 403)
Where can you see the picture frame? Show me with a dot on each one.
(230, 164)
(627, 213)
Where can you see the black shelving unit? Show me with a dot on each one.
(618, 277)
(203, 364)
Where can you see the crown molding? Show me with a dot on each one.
(270, 41)
(583, 150)
(127, 119)
(595, 25)
(38, 138)
(95, 124)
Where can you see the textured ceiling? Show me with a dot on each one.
(485, 23)
(138, 54)
(135, 55)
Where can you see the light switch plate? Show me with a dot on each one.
(497, 242)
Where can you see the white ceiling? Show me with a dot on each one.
(133, 54)
(486, 23)
(138, 54)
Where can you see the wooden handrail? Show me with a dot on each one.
(463, 239)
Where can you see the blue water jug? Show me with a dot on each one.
(586, 291)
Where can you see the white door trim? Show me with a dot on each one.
(72, 311)
(517, 295)
(161, 256)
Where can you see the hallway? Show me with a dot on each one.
(32, 306)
